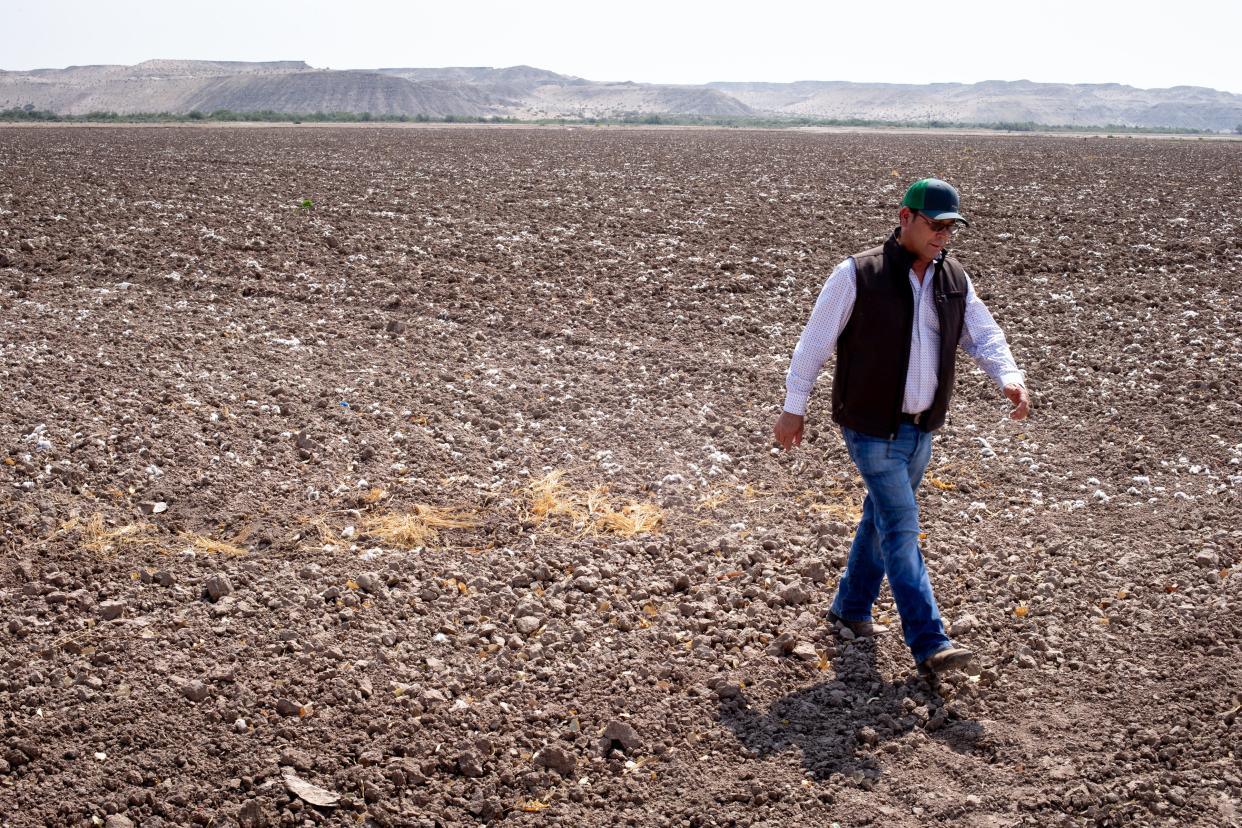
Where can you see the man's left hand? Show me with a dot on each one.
(1021, 402)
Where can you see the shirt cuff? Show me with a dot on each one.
(796, 403)
(1011, 378)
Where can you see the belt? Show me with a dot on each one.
(914, 419)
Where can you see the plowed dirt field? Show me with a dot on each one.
(425, 477)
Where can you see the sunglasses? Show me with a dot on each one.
(938, 227)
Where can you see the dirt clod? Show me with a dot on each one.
(217, 587)
(557, 759)
(111, 610)
(621, 736)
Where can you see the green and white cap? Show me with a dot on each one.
(935, 199)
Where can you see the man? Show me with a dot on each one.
(895, 315)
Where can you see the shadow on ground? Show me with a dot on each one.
(839, 726)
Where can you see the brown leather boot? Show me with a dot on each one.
(860, 629)
(950, 658)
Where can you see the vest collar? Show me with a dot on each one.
(904, 259)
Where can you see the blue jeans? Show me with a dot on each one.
(887, 540)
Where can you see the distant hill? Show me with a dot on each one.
(526, 92)
(151, 86)
(1182, 107)
(336, 92)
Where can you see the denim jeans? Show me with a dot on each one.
(887, 540)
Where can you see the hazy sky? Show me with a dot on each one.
(1141, 43)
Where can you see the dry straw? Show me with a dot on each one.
(589, 512)
(103, 541)
(835, 502)
(211, 546)
(419, 527)
(98, 538)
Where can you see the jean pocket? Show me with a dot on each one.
(866, 451)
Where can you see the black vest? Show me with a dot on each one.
(873, 352)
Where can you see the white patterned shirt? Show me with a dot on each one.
(982, 339)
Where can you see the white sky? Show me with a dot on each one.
(1140, 43)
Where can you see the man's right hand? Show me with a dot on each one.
(788, 430)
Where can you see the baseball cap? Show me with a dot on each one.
(935, 199)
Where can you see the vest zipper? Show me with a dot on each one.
(905, 365)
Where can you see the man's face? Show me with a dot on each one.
(923, 237)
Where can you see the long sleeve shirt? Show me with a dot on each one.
(982, 339)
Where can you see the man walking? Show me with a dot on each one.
(895, 315)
